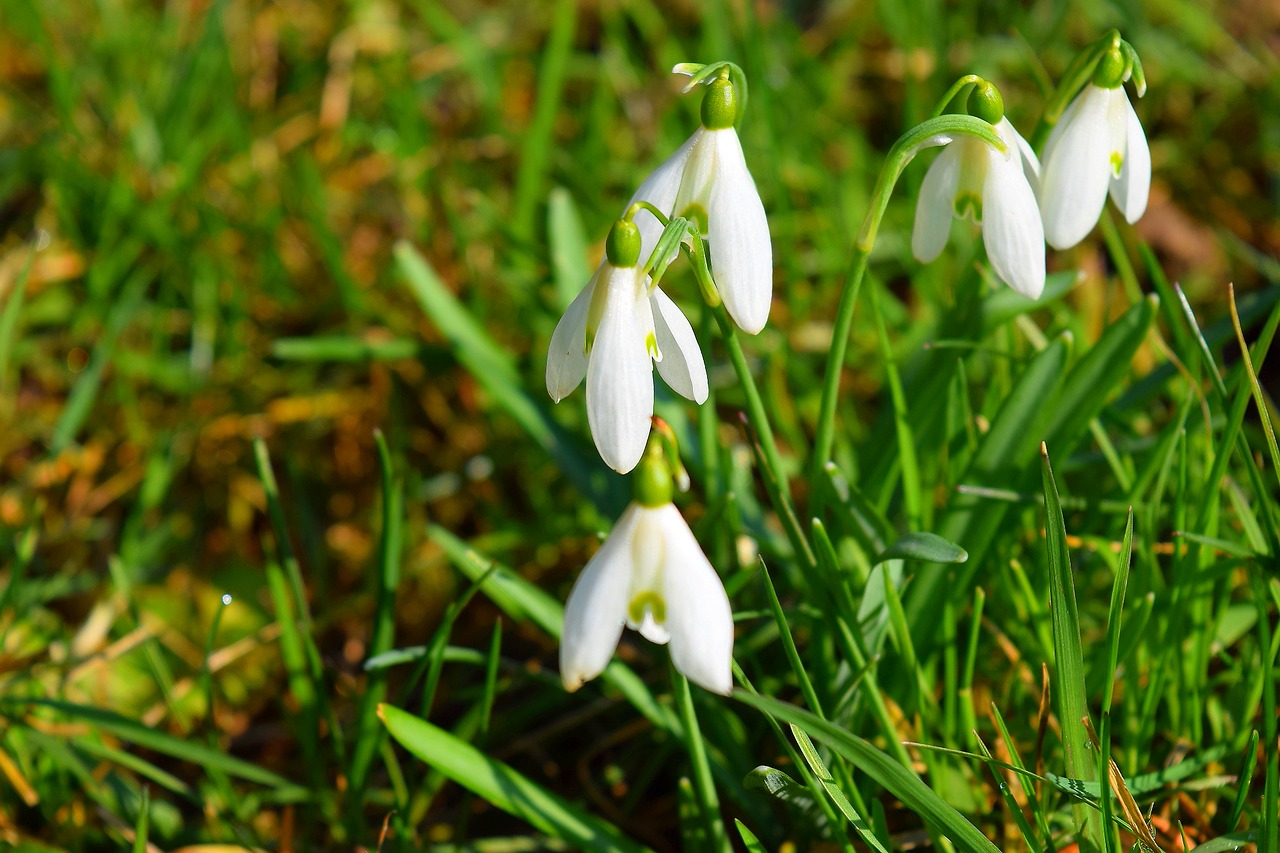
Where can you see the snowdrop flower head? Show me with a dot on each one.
(1097, 147)
(612, 334)
(971, 179)
(707, 181)
(651, 576)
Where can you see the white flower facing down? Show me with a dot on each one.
(707, 181)
(650, 575)
(1097, 146)
(613, 333)
(973, 179)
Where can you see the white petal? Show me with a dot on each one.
(648, 549)
(1027, 157)
(1011, 227)
(567, 355)
(620, 373)
(682, 366)
(936, 206)
(741, 252)
(659, 189)
(597, 607)
(1129, 191)
(698, 614)
(1076, 171)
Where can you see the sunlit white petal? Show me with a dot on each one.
(567, 355)
(596, 609)
(620, 373)
(1074, 176)
(659, 189)
(936, 206)
(1026, 156)
(682, 366)
(1130, 189)
(738, 233)
(1011, 228)
(699, 618)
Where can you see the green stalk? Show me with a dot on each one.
(932, 132)
(703, 784)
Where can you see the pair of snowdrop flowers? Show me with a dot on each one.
(650, 575)
(621, 324)
(1097, 147)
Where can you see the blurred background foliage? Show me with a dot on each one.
(216, 190)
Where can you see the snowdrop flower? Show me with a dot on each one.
(650, 575)
(971, 179)
(707, 181)
(613, 333)
(1096, 147)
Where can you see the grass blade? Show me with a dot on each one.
(902, 783)
(1068, 655)
(499, 784)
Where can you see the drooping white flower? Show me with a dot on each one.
(650, 575)
(971, 179)
(1096, 147)
(707, 180)
(612, 333)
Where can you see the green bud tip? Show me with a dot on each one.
(1111, 70)
(985, 103)
(622, 246)
(719, 105)
(651, 485)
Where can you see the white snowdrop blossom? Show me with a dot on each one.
(707, 181)
(650, 575)
(972, 179)
(612, 334)
(1096, 147)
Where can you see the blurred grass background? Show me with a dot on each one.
(216, 190)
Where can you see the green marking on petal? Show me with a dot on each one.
(698, 214)
(1117, 161)
(968, 205)
(651, 344)
(650, 602)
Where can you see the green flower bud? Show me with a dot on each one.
(719, 105)
(985, 103)
(622, 246)
(1111, 70)
(651, 484)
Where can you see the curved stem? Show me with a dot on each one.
(932, 132)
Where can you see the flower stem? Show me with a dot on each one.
(758, 419)
(703, 785)
(935, 131)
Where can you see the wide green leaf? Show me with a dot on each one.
(502, 786)
(883, 768)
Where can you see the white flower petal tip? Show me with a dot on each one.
(708, 181)
(651, 574)
(1097, 147)
(567, 354)
(971, 179)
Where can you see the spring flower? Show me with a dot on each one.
(707, 181)
(1096, 147)
(971, 179)
(650, 575)
(613, 333)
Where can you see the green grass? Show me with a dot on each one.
(287, 520)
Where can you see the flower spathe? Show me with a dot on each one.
(1097, 147)
(707, 180)
(650, 575)
(612, 334)
(973, 179)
